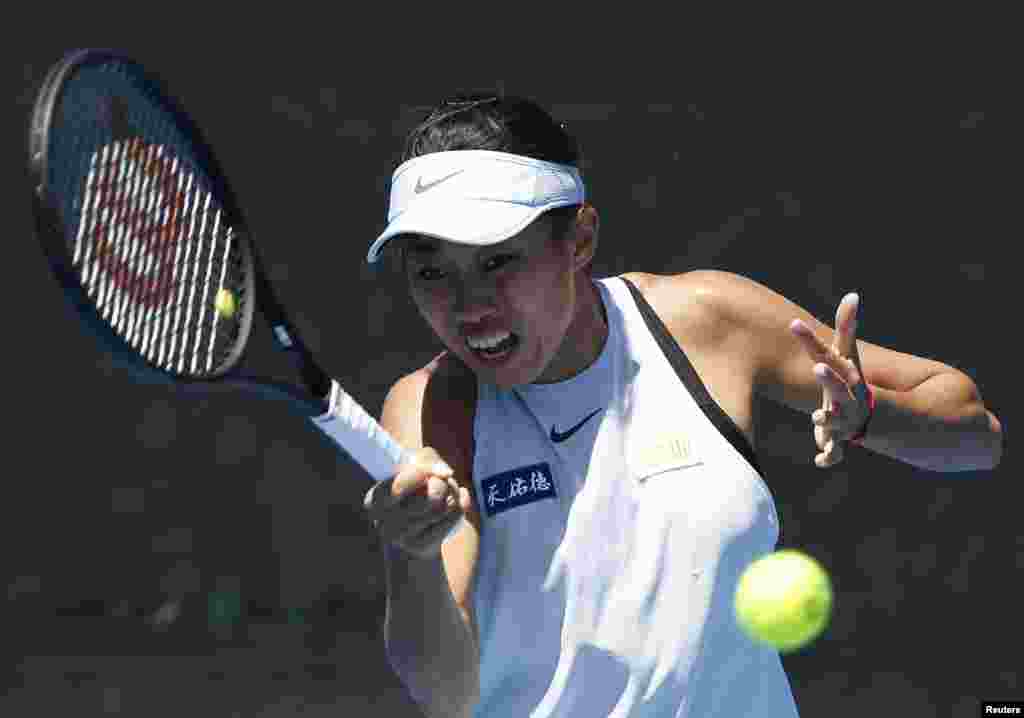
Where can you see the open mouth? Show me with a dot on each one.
(497, 352)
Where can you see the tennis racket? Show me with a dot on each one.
(146, 238)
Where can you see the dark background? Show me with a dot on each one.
(885, 161)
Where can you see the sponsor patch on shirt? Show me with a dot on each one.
(517, 487)
(662, 453)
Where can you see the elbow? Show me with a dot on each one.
(998, 438)
(445, 695)
(976, 443)
(991, 425)
(984, 451)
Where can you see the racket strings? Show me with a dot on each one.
(152, 250)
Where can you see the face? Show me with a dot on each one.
(525, 291)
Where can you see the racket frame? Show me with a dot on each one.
(313, 401)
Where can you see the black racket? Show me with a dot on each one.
(146, 239)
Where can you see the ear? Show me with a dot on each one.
(585, 230)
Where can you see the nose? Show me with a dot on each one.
(472, 317)
(473, 303)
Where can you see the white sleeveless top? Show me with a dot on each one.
(609, 555)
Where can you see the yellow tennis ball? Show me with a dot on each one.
(225, 303)
(784, 599)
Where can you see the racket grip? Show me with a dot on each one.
(358, 434)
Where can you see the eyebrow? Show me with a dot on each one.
(423, 246)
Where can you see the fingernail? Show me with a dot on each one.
(440, 468)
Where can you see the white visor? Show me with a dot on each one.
(475, 197)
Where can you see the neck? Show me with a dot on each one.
(586, 336)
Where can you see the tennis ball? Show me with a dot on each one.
(784, 599)
(225, 303)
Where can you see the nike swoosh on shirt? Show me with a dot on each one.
(420, 187)
(560, 436)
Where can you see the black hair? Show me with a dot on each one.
(489, 120)
(493, 121)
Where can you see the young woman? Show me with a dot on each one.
(586, 490)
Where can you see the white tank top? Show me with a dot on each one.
(618, 509)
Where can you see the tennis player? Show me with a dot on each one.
(586, 489)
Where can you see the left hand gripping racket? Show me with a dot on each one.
(143, 232)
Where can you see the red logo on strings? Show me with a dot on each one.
(132, 221)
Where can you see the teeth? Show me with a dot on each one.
(488, 341)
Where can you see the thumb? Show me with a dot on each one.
(424, 465)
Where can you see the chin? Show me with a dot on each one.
(504, 377)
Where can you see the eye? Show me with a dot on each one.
(499, 260)
(432, 274)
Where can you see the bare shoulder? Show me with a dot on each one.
(699, 285)
(704, 284)
(695, 308)
(693, 304)
(434, 406)
(450, 392)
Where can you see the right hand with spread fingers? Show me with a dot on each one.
(417, 508)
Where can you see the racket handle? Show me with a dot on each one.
(359, 435)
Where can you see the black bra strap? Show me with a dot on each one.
(691, 380)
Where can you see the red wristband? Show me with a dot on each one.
(858, 439)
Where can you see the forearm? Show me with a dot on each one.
(940, 425)
(428, 643)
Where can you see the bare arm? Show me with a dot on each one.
(428, 642)
(428, 636)
(928, 414)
